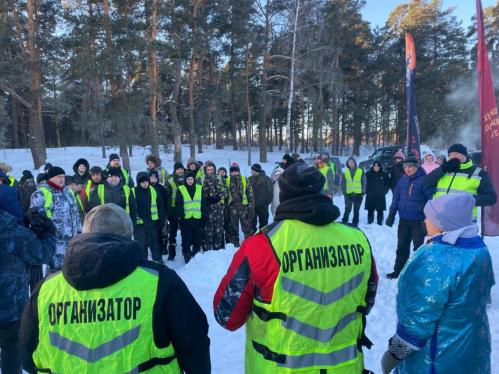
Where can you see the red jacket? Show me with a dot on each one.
(252, 275)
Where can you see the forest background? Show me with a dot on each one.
(299, 75)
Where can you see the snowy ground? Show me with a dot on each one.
(203, 273)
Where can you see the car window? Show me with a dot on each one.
(378, 153)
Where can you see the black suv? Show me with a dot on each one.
(384, 156)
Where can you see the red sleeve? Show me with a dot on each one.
(252, 274)
(83, 196)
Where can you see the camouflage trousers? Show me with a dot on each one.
(239, 213)
(213, 231)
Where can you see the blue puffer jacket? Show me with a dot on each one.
(409, 197)
(441, 308)
(19, 247)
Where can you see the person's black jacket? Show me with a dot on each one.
(165, 197)
(143, 201)
(377, 186)
(396, 172)
(25, 190)
(263, 189)
(98, 260)
(115, 195)
(179, 202)
(179, 180)
(486, 194)
(81, 178)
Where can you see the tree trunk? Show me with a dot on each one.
(36, 132)
(153, 78)
(335, 121)
(192, 72)
(15, 123)
(262, 132)
(176, 130)
(249, 125)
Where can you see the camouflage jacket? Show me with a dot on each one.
(65, 214)
(214, 191)
(236, 191)
(19, 247)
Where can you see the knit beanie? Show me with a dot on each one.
(142, 177)
(399, 154)
(411, 161)
(450, 212)
(300, 179)
(459, 148)
(192, 160)
(26, 175)
(222, 168)
(55, 171)
(234, 167)
(114, 171)
(110, 219)
(178, 165)
(113, 156)
(189, 174)
(257, 168)
(152, 173)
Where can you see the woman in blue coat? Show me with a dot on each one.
(443, 293)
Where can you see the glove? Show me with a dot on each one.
(388, 363)
(39, 223)
(451, 166)
(390, 220)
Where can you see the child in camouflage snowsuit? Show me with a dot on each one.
(215, 195)
(241, 204)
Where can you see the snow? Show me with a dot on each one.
(203, 274)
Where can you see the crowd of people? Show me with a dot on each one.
(303, 284)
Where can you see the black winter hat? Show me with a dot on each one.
(178, 165)
(55, 171)
(222, 168)
(257, 168)
(113, 171)
(300, 179)
(153, 172)
(459, 148)
(26, 175)
(142, 177)
(411, 160)
(113, 156)
(189, 174)
(48, 165)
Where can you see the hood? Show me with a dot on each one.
(315, 209)
(275, 171)
(426, 154)
(7, 224)
(354, 161)
(78, 162)
(98, 260)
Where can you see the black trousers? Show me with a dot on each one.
(192, 234)
(407, 232)
(174, 223)
(262, 216)
(148, 235)
(354, 200)
(11, 353)
(379, 216)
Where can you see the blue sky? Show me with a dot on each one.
(376, 11)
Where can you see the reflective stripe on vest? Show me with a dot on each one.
(78, 200)
(174, 191)
(163, 176)
(245, 184)
(47, 205)
(332, 166)
(101, 192)
(103, 330)
(460, 183)
(126, 177)
(154, 205)
(324, 171)
(192, 207)
(313, 321)
(12, 180)
(88, 187)
(353, 185)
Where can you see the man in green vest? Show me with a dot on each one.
(459, 175)
(114, 162)
(353, 185)
(302, 286)
(74, 188)
(111, 311)
(150, 216)
(173, 182)
(322, 165)
(96, 178)
(190, 206)
(154, 163)
(114, 191)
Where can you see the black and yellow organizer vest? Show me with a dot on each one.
(315, 320)
(107, 330)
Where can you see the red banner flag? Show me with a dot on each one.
(489, 121)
